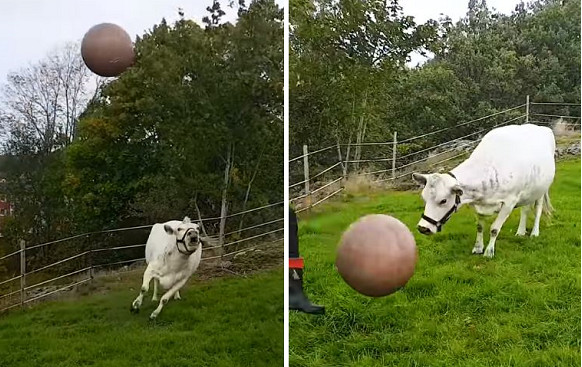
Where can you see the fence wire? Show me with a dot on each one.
(88, 255)
(555, 103)
(397, 169)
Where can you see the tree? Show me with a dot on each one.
(349, 81)
(43, 101)
(343, 57)
(40, 109)
(186, 126)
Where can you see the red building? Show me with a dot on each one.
(6, 208)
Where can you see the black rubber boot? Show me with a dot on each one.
(297, 299)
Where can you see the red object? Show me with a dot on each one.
(296, 263)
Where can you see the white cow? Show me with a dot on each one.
(173, 252)
(513, 166)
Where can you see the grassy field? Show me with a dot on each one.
(232, 321)
(521, 308)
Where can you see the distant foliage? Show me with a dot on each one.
(349, 81)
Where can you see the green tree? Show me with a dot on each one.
(187, 124)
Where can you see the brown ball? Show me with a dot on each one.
(107, 50)
(377, 255)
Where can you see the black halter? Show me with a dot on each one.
(439, 224)
(186, 251)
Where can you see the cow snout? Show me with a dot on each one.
(424, 230)
(193, 236)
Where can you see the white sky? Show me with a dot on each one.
(29, 29)
(423, 10)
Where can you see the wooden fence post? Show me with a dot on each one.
(394, 155)
(342, 165)
(22, 271)
(306, 173)
(91, 270)
(527, 109)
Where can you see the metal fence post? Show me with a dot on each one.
(527, 109)
(394, 155)
(22, 271)
(306, 173)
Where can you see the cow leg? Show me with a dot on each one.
(166, 297)
(504, 213)
(523, 221)
(177, 295)
(147, 277)
(155, 296)
(535, 231)
(478, 248)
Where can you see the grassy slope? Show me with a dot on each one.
(521, 308)
(223, 322)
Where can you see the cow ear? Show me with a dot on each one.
(169, 230)
(186, 220)
(419, 178)
(457, 190)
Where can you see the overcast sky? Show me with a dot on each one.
(423, 10)
(29, 29)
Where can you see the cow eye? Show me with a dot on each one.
(444, 201)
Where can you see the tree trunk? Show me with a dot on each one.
(224, 206)
(342, 163)
(199, 216)
(240, 225)
(360, 133)
(348, 156)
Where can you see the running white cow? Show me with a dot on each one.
(513, 166)
(173, 252)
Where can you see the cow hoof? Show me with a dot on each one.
(133, 309)
(477, 251)
(155, 299)
(153, 317)
(534, 234)
(489, 254)
(518, 233)
(136, 304)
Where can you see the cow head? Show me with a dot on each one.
(442, 195)
(187, 233)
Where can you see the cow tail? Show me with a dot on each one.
(547, 205)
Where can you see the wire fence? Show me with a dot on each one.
(318, 175)
(81, 257)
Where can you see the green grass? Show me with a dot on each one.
(222, 322)
(521, 308)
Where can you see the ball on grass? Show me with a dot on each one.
(377, 255)
(107, 50)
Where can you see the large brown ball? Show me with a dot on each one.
(377, 255)
(107, 50)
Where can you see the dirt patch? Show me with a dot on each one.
(256, 259)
